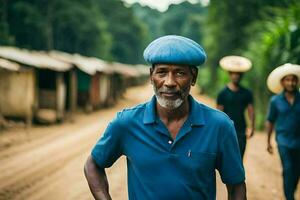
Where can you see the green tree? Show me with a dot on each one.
(79, 27)
(128, 32)
(184, 19)
(5, 37)
(72, 26)
(227, 29)
(26, 24)
(151, 18)
(277, 42)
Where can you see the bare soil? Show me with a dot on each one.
(46, 162)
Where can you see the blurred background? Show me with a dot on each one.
(61, 56)
(267, 32)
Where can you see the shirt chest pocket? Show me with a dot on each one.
(199, 162)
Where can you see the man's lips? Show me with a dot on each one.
(170, 94)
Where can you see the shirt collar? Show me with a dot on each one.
(281, 94)
(150, 111)
(196, 116)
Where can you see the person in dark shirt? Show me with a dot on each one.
(284, 113)
(234, 99)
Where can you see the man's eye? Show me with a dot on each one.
(160, 72)
(180, 73)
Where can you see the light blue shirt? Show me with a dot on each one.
(287, 120)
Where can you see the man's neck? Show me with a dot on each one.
(290, 96)
(173, 118)
(233, 86)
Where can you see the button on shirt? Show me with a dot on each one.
(162, 168)
(287, 120)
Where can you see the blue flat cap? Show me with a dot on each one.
(174, 49)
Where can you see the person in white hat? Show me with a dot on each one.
(284, 113)
(234, 98)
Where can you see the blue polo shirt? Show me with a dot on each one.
(166, 169)
(287, 120)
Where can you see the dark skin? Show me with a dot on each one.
(178, 78)
(289, 84)
(97, 180)
(234, 85)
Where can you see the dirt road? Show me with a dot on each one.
(47, 162)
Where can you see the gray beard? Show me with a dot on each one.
(166, 103)
(169, 104)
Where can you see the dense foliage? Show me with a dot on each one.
(102, 28)
(267, 32)
(184, 19)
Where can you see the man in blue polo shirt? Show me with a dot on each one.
(173, 144)
(284, 111)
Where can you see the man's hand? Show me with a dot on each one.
(236, 191)
(250, 132)
(270, 148)
(269, 130)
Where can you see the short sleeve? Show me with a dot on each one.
(272, 111)
(220, 98)
(250, 98)
(229, 162)
(108, 148)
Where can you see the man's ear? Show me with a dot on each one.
(193, 82)
(195, 74)
(151, 72)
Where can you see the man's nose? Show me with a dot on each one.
(170, 80)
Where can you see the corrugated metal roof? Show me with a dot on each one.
(12, 66)
(88, 65)
(33, 59)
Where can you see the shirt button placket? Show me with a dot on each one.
(170, 144)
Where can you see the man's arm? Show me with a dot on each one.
(236, 191)
(269, 130)
(220, 107)
(97, 180)
(251, 115)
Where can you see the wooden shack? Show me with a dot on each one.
(93, 79)
(43, 79)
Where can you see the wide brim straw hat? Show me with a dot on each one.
(275, 77)
(235, 63)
